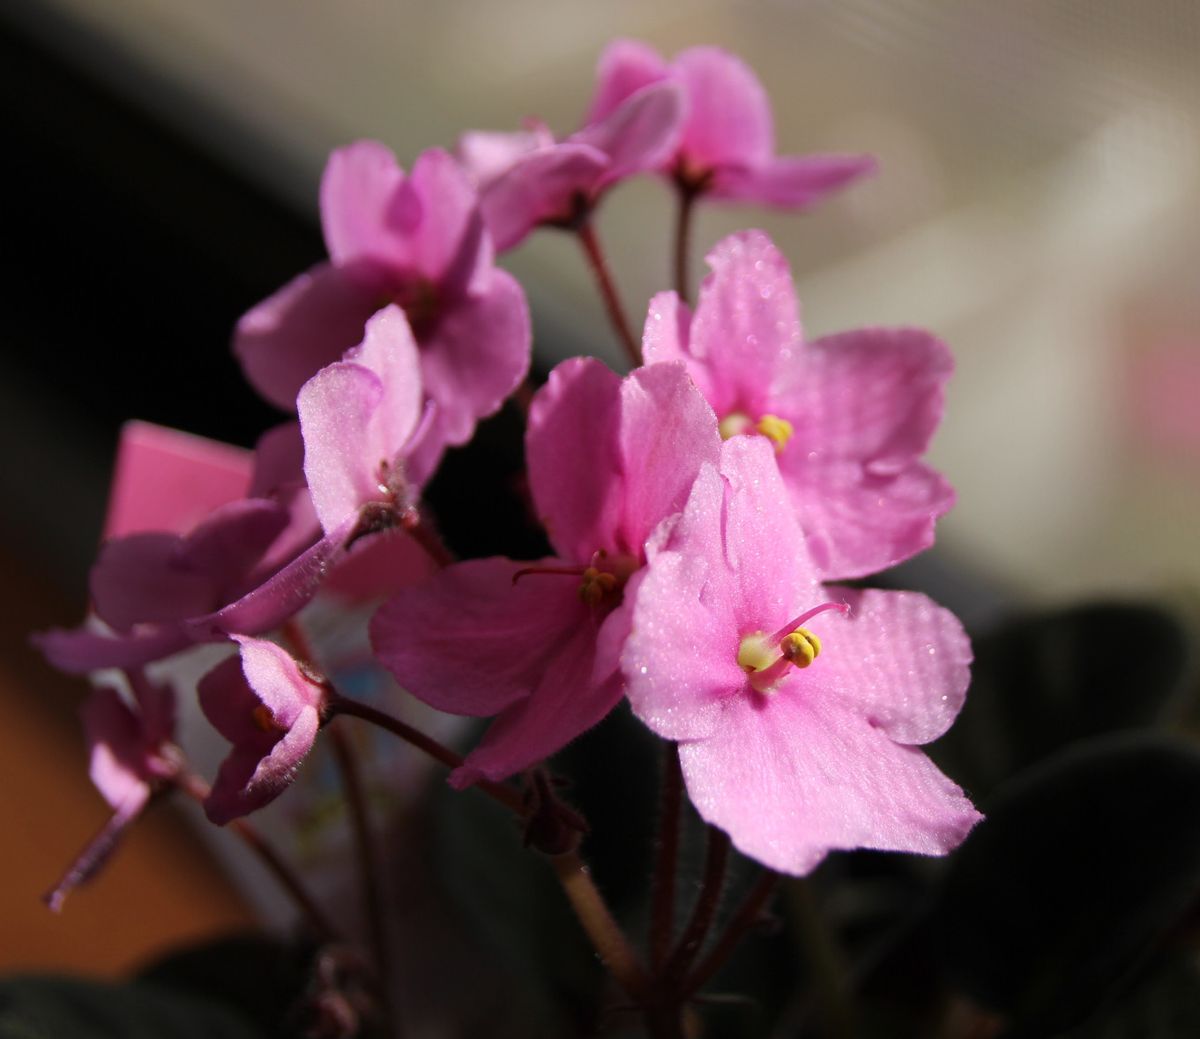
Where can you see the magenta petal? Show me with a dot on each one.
(746, 327)
(472, 642)
(278, 680)
(359, 192)
(574, 456)
(729, 116)
(81, 650)
(477, 356)
(278, 460)
(564, 705)
(138, 578)
(307, 324)
(357, 416)
(624, 68)
(228, 703)
(901, 661)
(667, 332)
(667, 432)
(448, 247)
(279, 597)
(227, 545)
(540, 188)
(118, 748)
(640, 134)
(486, 154)
(791, 182)
(791, 779)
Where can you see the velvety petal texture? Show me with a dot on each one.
(859, 409)
(418, 241)
(268, 707)
(538, 644)
(793, 761)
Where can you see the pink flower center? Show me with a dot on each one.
(777, 430)
(767, 658)
(419, 300)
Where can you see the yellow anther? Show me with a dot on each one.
(596, 584)
(801, 647)
(734, 423)
(264, 719)
(779, 430)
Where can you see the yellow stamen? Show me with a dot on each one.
(596, 584)
(779, 430)
(754, 654)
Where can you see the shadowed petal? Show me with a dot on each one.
(624, 68)
(790, 182)
(640, 134)
(728, 116)
(361, 211)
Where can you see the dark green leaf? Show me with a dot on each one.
(1081, 866)
(70, 1008)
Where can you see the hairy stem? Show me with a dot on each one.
(705, 910)
(747, 915)
(683, 240)
(608, 291)
(662, 912)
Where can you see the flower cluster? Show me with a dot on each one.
(696, 508)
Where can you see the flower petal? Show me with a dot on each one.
(118, 748)
(473, 642)
(791, 779)
(361, 212)
(307, 324)
(624, 68)
(791, 182)
(574, 457)
(640, 134)
(448, 246)
(728, 115)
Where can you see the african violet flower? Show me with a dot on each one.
(529, 179)
(850, 415)
(132, 755)
(727, 146)
(796, 706)
(269, 707)
(416, 241)
(538, 643)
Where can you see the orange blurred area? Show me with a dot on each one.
(162, 887)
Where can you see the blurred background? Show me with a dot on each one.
(1036, 207)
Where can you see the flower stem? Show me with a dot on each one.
(370, 879)
(608, 291)
(715, 860)
(419, 528)
(197, 789)
(662, 912)
(440, 753)
(683, 239)
(745, 918)
(605, 933)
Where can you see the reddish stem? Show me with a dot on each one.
(608, 291)
(662, 913)
(746, 917)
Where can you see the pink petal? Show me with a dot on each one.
(667, 432)
(375, 567)
(624, 68)
(564, 705)
(448, 246)
(166, 480)
(574, 457)
(640, 134)
(667, 333)
(864, 407)
(277, 679)
(278, 460)
(228, 544)
(543, 187)
(791, 779)
(477, 356)
(746, 327)
(486, 154)
(792, 182)
(81, 650)
(118, 748)
(472, 642)
(137, 578)
(361, 211)
(728, 114)
(356, 417)
(899, 660)
(156, 706)
(307, 324)
(228, 702)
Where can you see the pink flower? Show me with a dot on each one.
(850, 415)
(132, 756)
(797, 707)
(538, 643)
(529, 179)
(727, 146)
(269, 707)
(417, 241)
